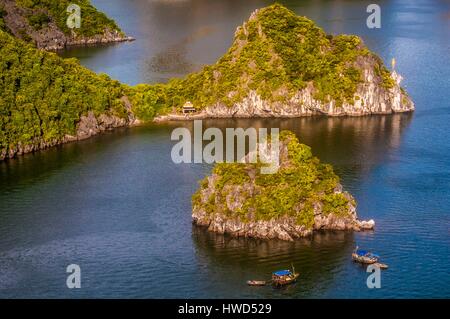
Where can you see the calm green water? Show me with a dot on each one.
(117, 206)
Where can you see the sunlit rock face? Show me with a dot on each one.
(371, 98)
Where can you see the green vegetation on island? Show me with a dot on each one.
(3, 13)
(302, 185)
(43, 96)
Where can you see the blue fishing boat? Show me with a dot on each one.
(364, 256)
(284, 277)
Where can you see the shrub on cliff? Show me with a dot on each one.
(38, 20)
(148, 100)
(3, 13)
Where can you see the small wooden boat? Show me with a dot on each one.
(284, 277)
(256, 282)
(381, 266)
(364, 257)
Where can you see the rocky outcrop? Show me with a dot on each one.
(56, 40)
(285, 228)
(91, 125)
(50, 37)
(231, 209)
(370, 98)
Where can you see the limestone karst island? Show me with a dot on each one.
(302, 196)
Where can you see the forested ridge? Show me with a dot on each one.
(43, 96)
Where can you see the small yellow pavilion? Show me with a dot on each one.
(188, 107)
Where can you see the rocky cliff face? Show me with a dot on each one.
(53, 39)
(284, 228)
(242, 207)
(370, 98)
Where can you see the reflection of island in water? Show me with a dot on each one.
(232, 261)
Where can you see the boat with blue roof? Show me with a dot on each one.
(284, 277)
(364, 256)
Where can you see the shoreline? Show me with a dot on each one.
(283, 228)
(89, 126)
(203, 116)
(86, 42)
(93, 42)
